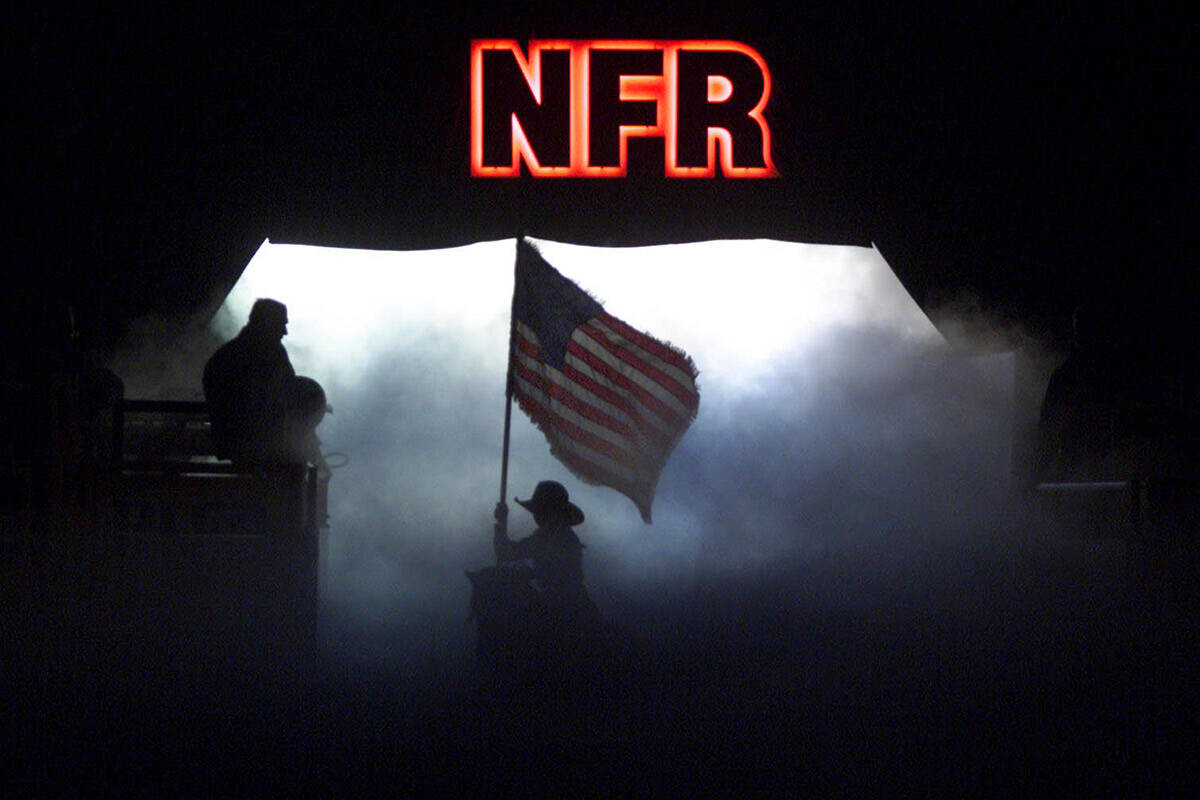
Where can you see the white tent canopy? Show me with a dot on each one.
(734, 306)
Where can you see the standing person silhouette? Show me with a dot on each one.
(1084, 413)
(261, 411)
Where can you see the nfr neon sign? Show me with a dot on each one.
(569, 108)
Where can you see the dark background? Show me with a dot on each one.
(1010, 161)
(1016, 160)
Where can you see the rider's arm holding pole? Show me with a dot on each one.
(500, 541)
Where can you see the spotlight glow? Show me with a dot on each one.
(735, 306)
(822, 417)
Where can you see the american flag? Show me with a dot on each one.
(611, 400)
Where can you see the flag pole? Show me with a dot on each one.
(501, 517)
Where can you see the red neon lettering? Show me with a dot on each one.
(570, 107)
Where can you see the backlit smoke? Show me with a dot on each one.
(834, 424)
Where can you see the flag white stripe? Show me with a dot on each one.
(641, 410)
(585, 394)
(684, 379)
(643, 380)
(616, 468)
(563, 440)
(632, 420)
(571, 415)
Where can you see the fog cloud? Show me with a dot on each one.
(834, 422)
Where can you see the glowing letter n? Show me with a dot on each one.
(520, 109)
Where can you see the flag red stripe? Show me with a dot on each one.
(592, 472)
(666, 414)
(574, 432)
(528, 347)
(654, 434)
(649, 370)
(659, 350)
(574, 402)
(621, 402)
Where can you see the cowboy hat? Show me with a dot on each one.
(550, 497)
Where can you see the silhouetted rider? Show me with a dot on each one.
(553, 551)
(538, 629)
(260, 410)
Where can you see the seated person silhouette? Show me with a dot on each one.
(261, 411)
